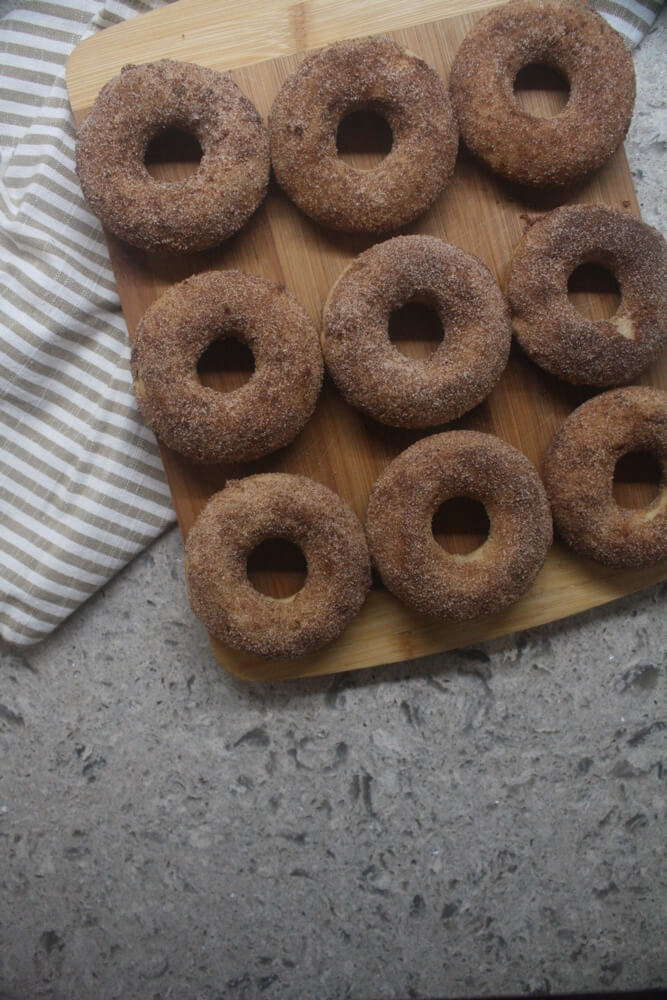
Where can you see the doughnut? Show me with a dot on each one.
(265, 413)
(569, 38)
(558, 337)
(371, 372)
(415, 568)
(578, 473)
(378, 75)
(206, 207)
(275, 505)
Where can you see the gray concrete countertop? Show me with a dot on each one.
(481, 822)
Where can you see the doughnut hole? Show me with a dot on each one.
(461, 525)
(415, 329)
(226, 364)
(364, 138)
(637, 479)
(172, 155)
(277, 568)
(594, 291)
(541, 91)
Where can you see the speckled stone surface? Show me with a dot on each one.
(482, 822)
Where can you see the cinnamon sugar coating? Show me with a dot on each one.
(415, 568)
(265, 413)
(378, 75)
(578, 43)
(181, 216)
(558, 337)
(240, 517)
(578, 474)
(371, 372)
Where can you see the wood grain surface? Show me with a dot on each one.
(225, 34)
(339, 447)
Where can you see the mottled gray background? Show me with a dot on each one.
(481, 822)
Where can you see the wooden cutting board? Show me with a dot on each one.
(339, 447)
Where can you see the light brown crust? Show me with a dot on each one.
(309, 515)
(578, 474)
(376, 74)
(569, 38)
(548, 327)
(247, 423)
(371, 372)
(194, 213)
(412, 564)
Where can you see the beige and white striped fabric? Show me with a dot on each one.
(631, 18)
(81, 484)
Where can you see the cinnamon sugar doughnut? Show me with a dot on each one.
(548, 327)
(259, 417)
(236, 520)
(578, 475)
(576, 42)
(412, 564)
(378, 75)
(180, 216)
(371, 372)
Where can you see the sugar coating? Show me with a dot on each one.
(412, 564)
(194, 213)
(375, 74)
(306, 513)
(578, 474)
(569, 38)
(371, 372)
(265, 413)
(552, 332)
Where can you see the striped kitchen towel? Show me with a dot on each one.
(631, 18)
(81, 483)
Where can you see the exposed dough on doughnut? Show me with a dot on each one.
(412, 564)
(180, 216)
(253, 420)
(558, 337)
(378, 75)
(579, 469)
(570, 38)
(371, 372)
(240, 517)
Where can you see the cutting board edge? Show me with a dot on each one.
(296, 26)
(327, 661)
